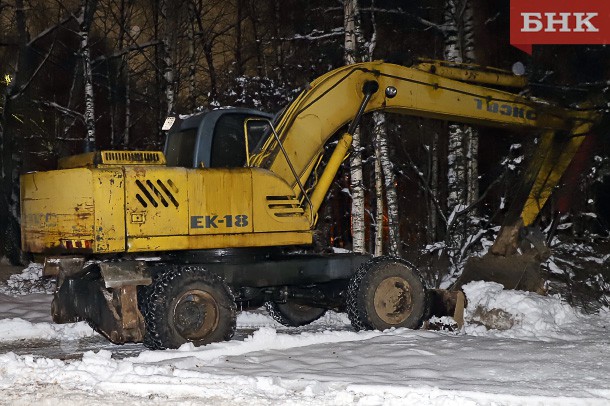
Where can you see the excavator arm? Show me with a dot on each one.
(331, 102)
(426, 90)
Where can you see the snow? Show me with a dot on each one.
(537, 350)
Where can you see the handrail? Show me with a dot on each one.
(312, 217)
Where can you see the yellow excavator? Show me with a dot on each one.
(162, 247)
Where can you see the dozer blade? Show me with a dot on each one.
(518, 272)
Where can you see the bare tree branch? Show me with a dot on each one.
(23, 88)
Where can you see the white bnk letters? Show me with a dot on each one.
(532, 22)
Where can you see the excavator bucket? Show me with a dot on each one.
(513, 261)
(518, 272)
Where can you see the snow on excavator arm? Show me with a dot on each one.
(426, 90)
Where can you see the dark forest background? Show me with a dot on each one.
(112, 70)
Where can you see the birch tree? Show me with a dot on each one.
(168, 43)
(384, 173)
(389, 181)
(84, 19)
(351, 27)
(462, 174)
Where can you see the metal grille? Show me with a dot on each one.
(132, 157)
(284, 206)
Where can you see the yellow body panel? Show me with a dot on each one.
(275, 207)
(109, 200)
(156, 208)
(220, 201)
(192, 242)
(51, 210)
(156, 201)
(82, 207)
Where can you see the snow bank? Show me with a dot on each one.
(25, 310)
(516, 314)
(265, 338)
(19, 329)
(261, 318)
(29, 281)
(334, 368)
(29, 317)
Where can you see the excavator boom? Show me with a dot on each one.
(434, 90)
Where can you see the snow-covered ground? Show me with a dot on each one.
(547, 353)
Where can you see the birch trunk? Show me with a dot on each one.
(356, 177)
(87, 11)
(192, 77)
(381, 145)
(126, 74)
(239, 63)
(378, 196)
(432, 191)
(462, 174)
(126, 131)
(167, 44)
(279, 51)
(380, 208)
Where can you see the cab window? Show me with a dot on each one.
(180, 147)
(228, 149)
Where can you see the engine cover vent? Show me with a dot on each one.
(284, 206)
(132, 157)
(112, 158)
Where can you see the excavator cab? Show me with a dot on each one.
(214, 139)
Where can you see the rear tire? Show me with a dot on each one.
(384, 293)
(292, 314)
(187, 304)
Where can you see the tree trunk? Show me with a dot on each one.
(261, 68)
(432, 191)
(378, 199)
(192, 77)
(277, 32)
(239, 63)
(462, 174)
(209, 58)
(356, 177)
(127, 129)
(87, 11)
(381, 145)
(168, 16)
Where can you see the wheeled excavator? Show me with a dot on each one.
(162, 247)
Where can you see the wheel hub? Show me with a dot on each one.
(393, 302)
(195, 314)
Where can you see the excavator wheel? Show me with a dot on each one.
(292, 314)
(384, 293)
(187, 304)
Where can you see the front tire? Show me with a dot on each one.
(188, 304)
(384, 293)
